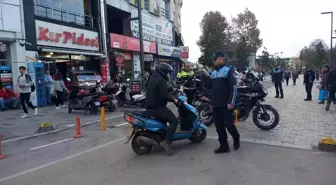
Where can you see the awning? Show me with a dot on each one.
(72, 52)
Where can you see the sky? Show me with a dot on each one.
(286, 26)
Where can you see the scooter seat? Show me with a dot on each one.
(147, 114)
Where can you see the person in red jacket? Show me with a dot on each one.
(7, 98)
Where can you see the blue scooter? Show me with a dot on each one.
(148, 131)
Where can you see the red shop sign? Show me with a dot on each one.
(119, 61)
(130, 43)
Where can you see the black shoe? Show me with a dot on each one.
(276, 97)
(321, 102)
(307, 99)
(221, 150)
(166, 147)
(281, 97)
(236, 144)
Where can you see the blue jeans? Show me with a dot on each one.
(48, 95)
(5, 103)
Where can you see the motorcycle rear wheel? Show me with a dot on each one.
(207, 120)
(257, 120)
(198, 137)
(139, 147)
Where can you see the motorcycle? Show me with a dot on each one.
(106, 100)
(137, 99)
(249, 99)
(147, 131)
(87, 102)
(202, 103)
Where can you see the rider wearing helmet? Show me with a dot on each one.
(157, 97)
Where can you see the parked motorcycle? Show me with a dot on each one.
(106, 100)
(249, 99)
(147, 131)
(137, 99)
(87, 102)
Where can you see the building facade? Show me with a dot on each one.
(12, 41)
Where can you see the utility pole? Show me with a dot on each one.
(331, 35)
(142, 64)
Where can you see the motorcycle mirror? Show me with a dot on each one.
(68, 79)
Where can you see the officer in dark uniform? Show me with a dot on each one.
(277, 78)
(223, 99)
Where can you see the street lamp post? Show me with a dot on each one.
(331, 34)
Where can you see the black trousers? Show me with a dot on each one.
(59, 98)
(165, 114)
(224, 118)
(278, 87)
(294, 81)
(287, 80)
(309, 88)
(332, 97)
(190, 96)
(25, 99)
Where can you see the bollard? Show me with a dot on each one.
(78, 128)
(235, 117)
(1, 156)
(102, 117)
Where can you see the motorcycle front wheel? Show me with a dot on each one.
(266, 120)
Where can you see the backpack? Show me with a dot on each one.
(28, 78)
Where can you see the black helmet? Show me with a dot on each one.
(164, 69)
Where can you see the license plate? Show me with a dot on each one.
(97, 103)
(129, 131)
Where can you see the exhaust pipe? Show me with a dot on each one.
(148, 141)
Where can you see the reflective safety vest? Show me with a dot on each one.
(184, 74)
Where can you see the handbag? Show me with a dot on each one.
(323, 95)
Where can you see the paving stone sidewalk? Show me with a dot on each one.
(302, 124)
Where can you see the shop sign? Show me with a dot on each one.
(131, 44)
(136, 66)
(49, 34)
(148, 57)
(154, 28)
(169, 51)
(185, 52)
(120, 61)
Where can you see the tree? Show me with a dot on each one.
(266, 60)
(316, 54)
(215, 33)
(245, 29)
(246, 33)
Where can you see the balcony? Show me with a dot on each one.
(49, 12)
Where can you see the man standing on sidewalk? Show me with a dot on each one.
(25, 84)
(277, 77)
(331, 84)
(223, 99)
(48, 83)
(308, 81)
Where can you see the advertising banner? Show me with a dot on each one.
(154, 28)
(169, 51)
(185, 52)
(131, 44)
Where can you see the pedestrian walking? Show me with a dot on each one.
(277, 78)
(59, 88)
(295, 76)
(331, 84)
(287, 76)
(48, 83)
(25, 88)
(325, 72)
(308, 81)
(223, 99)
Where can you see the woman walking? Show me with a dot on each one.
(325, 71)
(59, 88)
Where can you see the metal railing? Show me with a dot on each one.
(50, 12)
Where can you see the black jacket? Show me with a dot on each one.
(331, 79)
(224, 90)
(277, 75)
(309, 77)
(157, 94)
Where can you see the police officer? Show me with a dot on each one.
(223, 101)
(157, 97)
(277, 77)
(184, 75)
